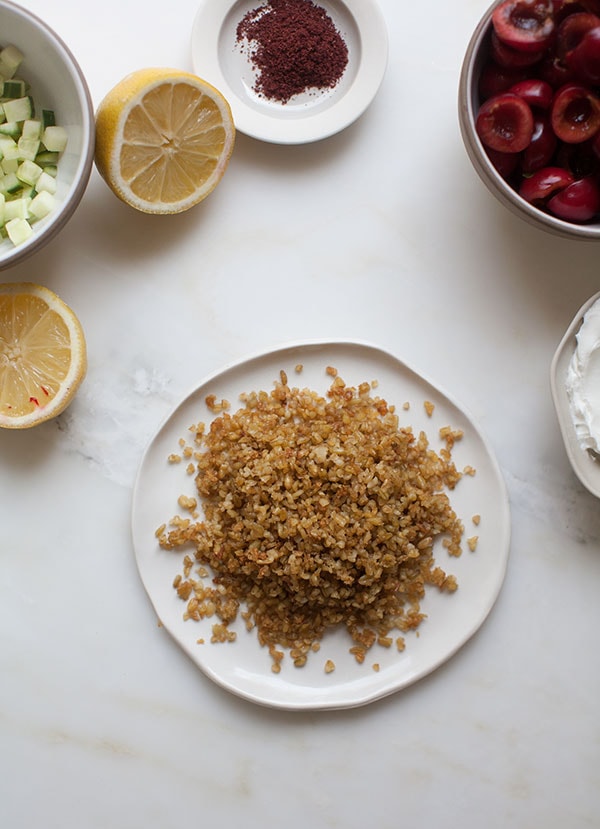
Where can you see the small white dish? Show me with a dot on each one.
(585, 466)
(310, 117)
(243, 667)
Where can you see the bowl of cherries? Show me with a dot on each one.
(529, 111)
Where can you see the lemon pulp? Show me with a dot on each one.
(42, 355)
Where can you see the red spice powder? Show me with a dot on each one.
(295, 46)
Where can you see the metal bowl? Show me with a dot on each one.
(468, 106)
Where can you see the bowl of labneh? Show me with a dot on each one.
(575, 384)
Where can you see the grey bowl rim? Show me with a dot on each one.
(17, 255)
(483, 166)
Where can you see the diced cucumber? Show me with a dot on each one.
(19, 109)
(16, 88)
(32, 129)
(19, 230)
(17, 208)
(11, 184)
(45, 158)
(51, 170)
(30, 150)
(8, 147)
(29, 172)
(10, 165)
(55, 139)
(46, 182)
(42, 204)
(11, 128)
(48, 118)
(10, 60)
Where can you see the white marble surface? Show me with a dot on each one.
(381, 233)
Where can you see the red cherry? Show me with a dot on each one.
(578, 159)
(585, 57)
(495, 79)
(564, 8)
(571, 31)
(524, 24)
(575, 113)
(512, 58)
(536, 92)
(545, 183)
(505, 123)
(578, 202)
(542, 146)
(504, 163)
(554, 71)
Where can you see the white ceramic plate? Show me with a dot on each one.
(585, 466)
(218, 59)
(243, 667)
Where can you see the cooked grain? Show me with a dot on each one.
(318, 512)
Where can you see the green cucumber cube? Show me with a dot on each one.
(17, 208)
(11, 184)
(10, 60)
(9, 165)
(29, 172)
(8, 147)
(32, 128)
(16, 88)
(42, 204)
(46, 182)
(28, 148)
(51, 170)
(48, 118)
(55, 139)
(46, 159)
(20, 109)
(19, 230)
(11, 128)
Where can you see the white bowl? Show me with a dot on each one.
(585, 465)
(308, 116)
(57, 83)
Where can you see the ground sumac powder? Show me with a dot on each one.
(294, 45)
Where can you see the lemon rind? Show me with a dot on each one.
(77, 369)
(121, 99)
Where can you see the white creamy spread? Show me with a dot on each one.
(583, 381)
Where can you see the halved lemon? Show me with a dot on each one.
(42, 355)
(163, 139)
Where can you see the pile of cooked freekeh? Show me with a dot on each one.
(314, 512)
